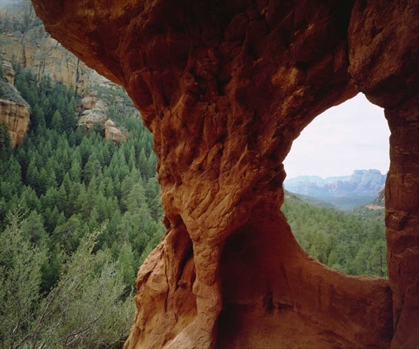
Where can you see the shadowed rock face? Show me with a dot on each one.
(226, 88)
(14, 110)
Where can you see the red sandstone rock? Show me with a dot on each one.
(225, 88)
(14, 110)
(16, 116)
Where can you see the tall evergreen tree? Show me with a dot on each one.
(57, 121)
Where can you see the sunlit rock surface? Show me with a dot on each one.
(113, 133)
(226, 87)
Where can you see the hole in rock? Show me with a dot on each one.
(334, 190)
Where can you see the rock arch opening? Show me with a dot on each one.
(334, 199)
(275, 61)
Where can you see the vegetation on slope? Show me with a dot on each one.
(349, 242)
(56, 189)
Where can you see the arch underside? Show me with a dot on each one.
(225, 89)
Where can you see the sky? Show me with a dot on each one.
(351, 136)
(9, 2)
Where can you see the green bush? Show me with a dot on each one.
(86, 308)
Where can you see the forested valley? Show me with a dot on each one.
(352, 242)
(78, 215)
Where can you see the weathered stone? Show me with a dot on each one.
(8, 72)
(33, 48)
(114, 133)
(380, 198)
(94, 113)
(14, 110)
(226, 88)
(16, 117)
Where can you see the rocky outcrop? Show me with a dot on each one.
(226, 88)
(379, 202)
(8, 72)
(114, 133)
(23, 40)
(94, 112)
(16, 117)
(14, 110)
(380, 198)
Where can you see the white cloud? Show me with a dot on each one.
(353, 135)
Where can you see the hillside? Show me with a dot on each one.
(350, 242)
(65, 191)
(308, 199)
(77, 176)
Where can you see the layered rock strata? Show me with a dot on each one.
(16, 116)
(226, 88)
(24, 41)
(14, 110)
(8, 72)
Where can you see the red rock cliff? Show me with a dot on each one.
(14, 110)
(226, 87)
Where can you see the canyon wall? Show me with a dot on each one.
(24, 41)
(226, 88)
(14, 110)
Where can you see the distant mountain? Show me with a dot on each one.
(345, 192)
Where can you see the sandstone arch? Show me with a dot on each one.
(225, 88)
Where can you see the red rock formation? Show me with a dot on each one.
(380, 198)
(14, 110)
(16, 116)
(225, 88)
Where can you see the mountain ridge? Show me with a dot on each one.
(345, 192)
(371, 180)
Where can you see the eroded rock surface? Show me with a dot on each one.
(93, 111)
(14, 110)
(24, 41)
(8, 72)
(226, 88)
(113, 133)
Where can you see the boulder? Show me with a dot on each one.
(114, 133)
